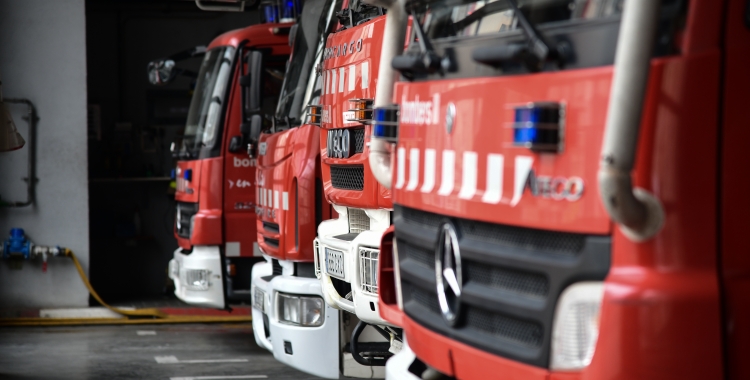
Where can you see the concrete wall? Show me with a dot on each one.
(43, 58)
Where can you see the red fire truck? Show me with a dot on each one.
(290, 318)
(567, 189)
(347, 247)
(215, 216)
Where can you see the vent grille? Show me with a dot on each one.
(358, 220)
(516, 281)
(349, 177)
(316, 253)
(271, 242)
(516, 330)
(421, 256)
(271, 227)
(368, 269)
(359, 140)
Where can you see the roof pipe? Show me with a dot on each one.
(638, 213)
(393, 45)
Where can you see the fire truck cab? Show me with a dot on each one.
(215, 215)
(566, 189)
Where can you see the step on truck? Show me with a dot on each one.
(290, 318)
(566, 189)
(347, 247)
(215, 179)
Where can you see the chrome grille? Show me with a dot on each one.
(316, 253)
(358, 220)
(368, 269)
(348, 177)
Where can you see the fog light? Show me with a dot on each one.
(174, 269)
(197, 279)
(300, 311)
(259, 299)
(575, 329)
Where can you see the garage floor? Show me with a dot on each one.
(176, 352)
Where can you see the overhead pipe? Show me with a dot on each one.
(31, 169)
(393, 45)
(638, 213)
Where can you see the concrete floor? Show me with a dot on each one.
(176, 352)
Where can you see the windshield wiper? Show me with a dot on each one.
(533, 54)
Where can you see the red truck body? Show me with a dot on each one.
(675, 306)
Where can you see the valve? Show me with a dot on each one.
(18, 246)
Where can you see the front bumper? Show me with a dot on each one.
(363, 304)
(203, 257)
(314, 350)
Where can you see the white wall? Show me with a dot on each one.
(43, 58)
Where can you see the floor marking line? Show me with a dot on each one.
(219, 377)
(145, 332)
(174, 360)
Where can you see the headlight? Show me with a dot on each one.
(174, 269)
(197, 279)
(301, 311)
(575, 328)
(259, 299)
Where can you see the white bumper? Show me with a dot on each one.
(364, 304)
(205, 258)
(397, 366)
(314, 350)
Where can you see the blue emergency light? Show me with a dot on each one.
(538, 126)
(385, 123)
(188, 175)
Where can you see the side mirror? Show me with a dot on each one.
(161, 72)
(293, 34)
(252, 82)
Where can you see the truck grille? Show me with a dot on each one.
(271, 227)
(512, 278)
(348, 177)
(368, 269)
(184, 213)
(358, 220)
(359, 140)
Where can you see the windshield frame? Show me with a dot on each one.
(298, 88)
(202, 138)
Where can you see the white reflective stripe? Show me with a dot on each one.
(323, 88)
(333, 81)
(257, 195)
(365, 75)
(276, 199)
(285, 201)
(352, 74)
(413, 169)
(446, 182)
(269, 198)
(429, 171)
(494, 191)
(262, 197)
(523, 167)
(400, 158)
(469, 176)
(342, 77)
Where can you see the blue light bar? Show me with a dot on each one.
(385, 123)
(538, 126)
(270, 13)
(188, 175)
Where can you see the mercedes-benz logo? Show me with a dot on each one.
(448, 274)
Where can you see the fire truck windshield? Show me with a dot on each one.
(458, 18)
(314, 25)
(204, 116)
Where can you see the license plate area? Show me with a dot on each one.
(335, 263)
(259, 300)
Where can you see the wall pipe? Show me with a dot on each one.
(393, 44)
(30, 179)
(639, 213)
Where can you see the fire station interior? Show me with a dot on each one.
(388, 189)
